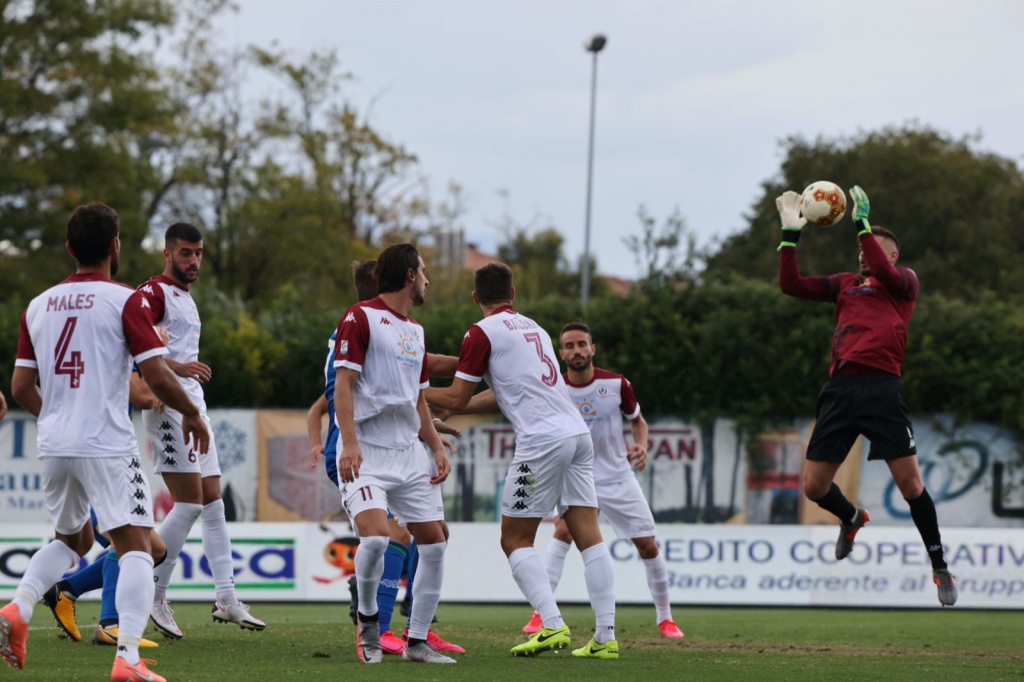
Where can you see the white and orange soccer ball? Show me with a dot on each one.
(823, 203)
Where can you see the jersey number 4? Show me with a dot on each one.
(550, 377)
(68, 363)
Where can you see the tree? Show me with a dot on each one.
(81, 96)
(667, 257)
(956, 211)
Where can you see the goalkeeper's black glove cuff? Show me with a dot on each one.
(863, 226)
(790, 237)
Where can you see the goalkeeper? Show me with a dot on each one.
(863, 395)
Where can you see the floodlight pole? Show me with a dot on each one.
(595, 45)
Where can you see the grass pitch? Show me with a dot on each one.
(317, 641)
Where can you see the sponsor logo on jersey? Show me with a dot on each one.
(139, 510)
(351, 317)
(385, 321)
(169, 449)
(519, 505)
(524, 469)
(170, 461)
(139, 495)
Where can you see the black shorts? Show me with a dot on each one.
(872, 406)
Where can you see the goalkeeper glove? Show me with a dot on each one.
(861, 208)
(789, 213)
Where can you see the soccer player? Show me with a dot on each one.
(103, 573)
(381, 413)
(863, 395)
(3, 406)
(401, 552)
(194, 482)
(77, 341)
(601, 396)
(553, 462)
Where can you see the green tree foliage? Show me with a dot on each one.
(80, 97)
(956, 210)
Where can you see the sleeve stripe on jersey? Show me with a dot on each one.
(142, 357)
(31, 364)
(636, 413)
(468, 377)
(354, 366)
(425, 384)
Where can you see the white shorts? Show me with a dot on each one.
(170, 454)
(559, 474)
(395, 479)
(115, 486)
(623, 504)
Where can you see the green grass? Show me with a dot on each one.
(754, 645)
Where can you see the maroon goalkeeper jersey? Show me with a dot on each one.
(872, 313)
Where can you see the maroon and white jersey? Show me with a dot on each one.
(389, 351)
(81, 336)
(514, 355)
(173, 309)
(602, 403)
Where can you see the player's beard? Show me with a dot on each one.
(580, 363)
(184, 276)
(419, 297)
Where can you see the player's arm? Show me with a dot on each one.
(140, 395)
(455, 397)
(25, 389)
(191, 370)
(638, 452)
(790, 281)
(314, 427)
(350, 457)
(3, 405)
(168, 390)
(900, 282)
(481, 403)
(442, 365)
(428, 434)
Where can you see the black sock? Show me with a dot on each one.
(922, 510)
(108, 622)
(834, 501)
(369, 619)
(413, 641)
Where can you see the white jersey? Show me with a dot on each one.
(515, 356)
(602, 403)
(81, 336)
(174, 310)
(389, 352)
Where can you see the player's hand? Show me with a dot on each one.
(194, 370)
(444, 428)
(349, 462)
(449, 446)
(442, 465)
(788, 206)
(638, 457)
(196, 433)
(861, 208)
(314, 455)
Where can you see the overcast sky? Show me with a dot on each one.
(693, 97)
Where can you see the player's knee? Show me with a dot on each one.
(647, 548)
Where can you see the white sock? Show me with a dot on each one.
(133, 599)
(369, 569)
(657, 581)
(44, 569)
(554, 561)
(426, 589)
(217, 548)
(174, 530)
(600, 578)
(528, 572)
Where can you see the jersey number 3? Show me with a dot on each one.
(68, 363)
(550, 377)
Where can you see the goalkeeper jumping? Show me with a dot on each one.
(863, 395)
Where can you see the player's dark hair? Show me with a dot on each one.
(182, 232)
(576, 327)
(880, 231)
(363, 279)
(91, 228)
(493, 283)
(393, 265)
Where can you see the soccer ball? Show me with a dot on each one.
(823, 203)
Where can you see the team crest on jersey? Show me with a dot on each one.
(602, 391)
(343, 348)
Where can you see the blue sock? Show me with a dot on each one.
(86, 580)
(108, 609)
(410, 574)
(387, 591)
